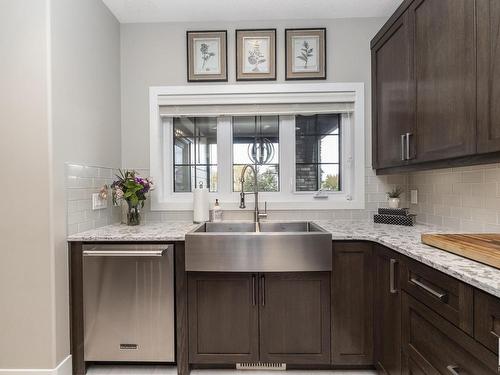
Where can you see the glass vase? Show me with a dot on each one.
(133, 214)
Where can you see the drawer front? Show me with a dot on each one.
(431, 345)
(487, 320)
(447, 296)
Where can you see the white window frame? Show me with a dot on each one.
(352, 195)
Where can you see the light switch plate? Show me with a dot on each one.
(98, 203)
(413, 196)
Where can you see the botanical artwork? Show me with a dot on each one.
(256, 53)
(305, 54)
(207, 56)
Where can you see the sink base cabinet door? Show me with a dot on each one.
(295, 318)
(387, 311)
(223, 318)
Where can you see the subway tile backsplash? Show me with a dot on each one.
(465, 199)
(81, 182)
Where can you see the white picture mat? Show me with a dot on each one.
(298, 65)
(213, 64)
(264, 46)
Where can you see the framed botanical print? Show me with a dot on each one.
(206, 56)
(305, 53)
(256, 55)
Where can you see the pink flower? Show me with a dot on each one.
(118, 193)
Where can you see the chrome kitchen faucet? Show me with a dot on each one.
(256, 214)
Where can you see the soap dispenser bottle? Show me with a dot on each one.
(217, 212)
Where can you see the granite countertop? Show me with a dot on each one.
(405, 240)
(167, 231)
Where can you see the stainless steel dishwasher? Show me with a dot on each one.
(128, 296)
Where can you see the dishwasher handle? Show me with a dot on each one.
(124, 253)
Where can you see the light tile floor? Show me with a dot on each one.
(169, 370)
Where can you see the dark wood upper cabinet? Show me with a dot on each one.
(223, 318)
(445, 82)
(352, 304)
(295, 317)
(488, 76)
(387, 310)
(440, 57)
(392, 104)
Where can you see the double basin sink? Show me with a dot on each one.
(259, 247)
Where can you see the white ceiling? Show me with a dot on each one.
(128, 11)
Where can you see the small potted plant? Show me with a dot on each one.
(393, 197)
(131, 188)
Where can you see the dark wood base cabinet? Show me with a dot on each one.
(252, 317)
(352, 304)
(432, 345)
(387, 310)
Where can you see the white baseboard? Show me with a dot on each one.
(64, 368)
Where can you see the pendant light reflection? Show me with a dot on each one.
(262, 150)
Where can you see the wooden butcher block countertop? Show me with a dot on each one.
(484, 247)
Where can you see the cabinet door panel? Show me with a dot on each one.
(352, 304)
(488, 75)
(223, 318)
(392, 95)
(445, 82)
(295, 317)
(387, 311)
(487, 320)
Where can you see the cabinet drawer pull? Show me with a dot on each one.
(254, 294)
(438, 295)
(392, 276)
(403, 146)
(455, 370)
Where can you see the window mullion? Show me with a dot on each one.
(224, 157)
(287, 154)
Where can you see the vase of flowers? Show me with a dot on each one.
(131, 188)
(393, 197)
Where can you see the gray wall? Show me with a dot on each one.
(155, 55)
(26, 278)
(60, 101)
(86, 129)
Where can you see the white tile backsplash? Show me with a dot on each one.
(465, 199)
(81, 182)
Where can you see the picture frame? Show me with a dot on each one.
(206, 56)
(305, 54)
(256, 54)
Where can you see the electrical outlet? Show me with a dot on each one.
(98, 203)
(414, 196)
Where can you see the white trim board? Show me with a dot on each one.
(64, 368)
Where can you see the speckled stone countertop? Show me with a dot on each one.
(405, 240)
(167, 231)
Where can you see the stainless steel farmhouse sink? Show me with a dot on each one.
(259, 247)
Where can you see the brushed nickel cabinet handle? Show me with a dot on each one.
(392, 276)
(408, 135)
(403, 146)
(455, 370)
(263, 289)
(428, 289)
(254, 294)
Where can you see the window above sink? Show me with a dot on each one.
(306, 141)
